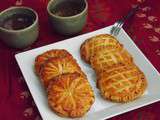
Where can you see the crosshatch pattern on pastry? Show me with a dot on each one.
(105, 58)
(122, 84)
(88, 48)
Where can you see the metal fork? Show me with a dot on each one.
(118, 25)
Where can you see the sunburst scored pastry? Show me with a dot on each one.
(59, 66)
(105, 58)
(70, 95)
(41, 59)
(88, 48)
(122, 84)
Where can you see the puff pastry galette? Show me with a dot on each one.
(89, 47)
(58, 66)
(118, 78)
(121, 84)
(69, 92)
(70, 95)
(104, 59)
(41, 59)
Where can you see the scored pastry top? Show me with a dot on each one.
(88, 48)
(70, 95)
(122, 84)
(59, 66)
(105, 58)
(41, 59)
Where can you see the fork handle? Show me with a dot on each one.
(131, 13)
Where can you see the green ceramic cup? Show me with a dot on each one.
(67, 25)
(23, 37)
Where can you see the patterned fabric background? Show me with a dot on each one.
(16, 102)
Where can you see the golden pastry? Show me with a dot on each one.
(41, 59)
(58, 66)
(106, 58)
(122, 84)
(88, 48)
(70, 95)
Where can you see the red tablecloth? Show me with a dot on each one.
(16, 102)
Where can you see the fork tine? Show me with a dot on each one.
(118, 25)
(114, 29)
(114, 32)
(117, 31)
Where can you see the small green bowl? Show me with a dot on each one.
(23, 37)
(67, 25)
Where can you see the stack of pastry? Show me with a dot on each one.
(118, 78)
(69, 92)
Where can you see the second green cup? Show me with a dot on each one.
(67, 17)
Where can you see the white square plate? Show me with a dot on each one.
(101, 109)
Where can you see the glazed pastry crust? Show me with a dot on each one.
(122, 84)
(106, 58)
(88, 48)
(41, 59)
(69, 92)
(70, 95)
(58, 66)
